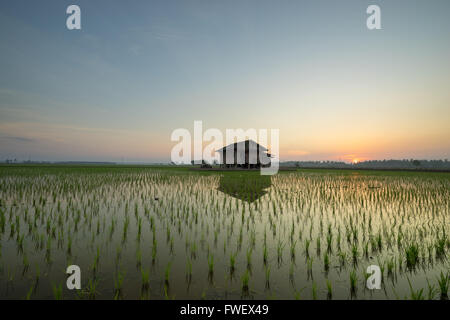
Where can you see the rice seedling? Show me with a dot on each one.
(314, 290)
(118, 285)
(267, 272)
(326, 262)
(353, 282)
(232, 262)
(432, 291)
(291, 273)
(189, 269)
(391, 267)
(265, 254)
(245, 280)
(309, 267)
(210, 265)
(329, 240)
(440, 248)
(92, 291)
(444, 282)
(167, 274)
(57, 292)
(355, 253)
(293, 243)
(415, 295)
(329, 290)
(249, 259)
(412, 256)
(280, 247)
(145, 279)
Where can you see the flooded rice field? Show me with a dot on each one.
(171, 233)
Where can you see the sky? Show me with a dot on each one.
(137, 70)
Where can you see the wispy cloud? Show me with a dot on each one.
(18, 139)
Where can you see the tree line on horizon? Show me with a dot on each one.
(412, 164)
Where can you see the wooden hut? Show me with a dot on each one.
(245, 154)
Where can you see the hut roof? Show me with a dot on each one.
(243, 144)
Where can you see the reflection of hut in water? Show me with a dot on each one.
(246, 186)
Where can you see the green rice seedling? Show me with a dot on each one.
(280, 247)
(98, 227)
(168, 234)
(138, 259)
(265, 255)
(293, 250)
(338, 240)
(415, 295)
(167, 273)
(329, 290)
(210, 265)
(69, 245)
(391, 267)
(57, 292)
(118, 285)
(92, 289)
(125, 228)
(189, 269)
(444, 282)
(37, 275)
(48, 251)
(355, 235)
(267, 272)
(96, 261)
(314, 290)
(118, 253)
(318, 246)
(145, 279)
(440, 248)
(171, 245)
(353, 282)
(245, 280)
(382, 266)
(329, 241)
(138, 237)
(232, 262)
(193, 250)
(309, 267)
(326, 262)
(307, 243)
(154, 251)
(379, 241)
(26, 264)
(355, 253)
(20, 243)
(30, 292)
(291, 273)
(412, 256)
(249, 259)
(366, 249)
(432, 291)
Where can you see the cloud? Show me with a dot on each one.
(18, 139)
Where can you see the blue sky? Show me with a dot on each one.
(116, 89)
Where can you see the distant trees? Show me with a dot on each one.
(411, 164)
